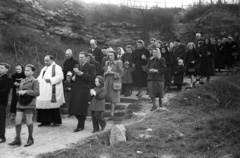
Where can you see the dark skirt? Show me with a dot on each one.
(49, 116)
(168, 76)
(139, 77)
(156, 89)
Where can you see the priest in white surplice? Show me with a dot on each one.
(51, 93)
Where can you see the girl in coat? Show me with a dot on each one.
(97, 106)
(127, 79)
(16, 78)
(28, 91)
(155, 68)
(179, 75)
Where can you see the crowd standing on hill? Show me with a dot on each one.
(103, 74)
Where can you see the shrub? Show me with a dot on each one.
(20, 45)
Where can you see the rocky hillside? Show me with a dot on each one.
(66, 23)
(113, 25)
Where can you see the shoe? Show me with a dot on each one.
(103, 128)
(17, 142)
(56, 124)
(43, 124)
(78, 129)
(2, 140)
(94, 131)
(153, 108)
(29, 142)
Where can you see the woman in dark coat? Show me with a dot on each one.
(140, 58)
(231, 47)
(16, 78)
(191, 61)
(206, 53)
(220, 56)
(155, 68)
(169, 63)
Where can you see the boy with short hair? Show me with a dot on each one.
(5, 88)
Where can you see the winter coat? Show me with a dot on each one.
(98, 101)
(97, 53)
(32, 87)
(5, 88)
(80, 92)
(160, 65)
(169, 63)
(191, 55)
(116, 66)
(140, 76)
(206, 66)
(68, 65)
(179, 74)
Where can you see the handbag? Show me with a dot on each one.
(191, 69)
(25, 99)
(117, 85)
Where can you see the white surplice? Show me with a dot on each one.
(45, 97)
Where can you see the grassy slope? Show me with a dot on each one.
(195, 127)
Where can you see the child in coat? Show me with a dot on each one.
(67, 87)
(127, 79)
(179, 75)
(97, 106)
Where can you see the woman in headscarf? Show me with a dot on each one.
(120, 52)
(206, 67)
(16, 78)
(140, 59)
(155, 69)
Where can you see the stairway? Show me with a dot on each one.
(120, 109)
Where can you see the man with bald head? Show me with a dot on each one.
(95, 51)
(69, 63)
(51, 93)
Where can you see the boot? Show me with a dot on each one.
(30, 138)
(17, 140)
(154, 107)
(160, 102)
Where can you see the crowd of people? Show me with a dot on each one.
(103, 74)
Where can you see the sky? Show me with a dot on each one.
(161, 3)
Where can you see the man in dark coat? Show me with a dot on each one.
(69, 63)
(5, 88)
(80, 93)
(96, 51)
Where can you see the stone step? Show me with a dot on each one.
(107, 113)
(119, 106)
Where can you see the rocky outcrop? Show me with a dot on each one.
(66, 23)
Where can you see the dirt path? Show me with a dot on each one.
(49, 139)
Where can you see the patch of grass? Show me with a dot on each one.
(193, 131)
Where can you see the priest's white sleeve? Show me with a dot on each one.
(58, 76)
